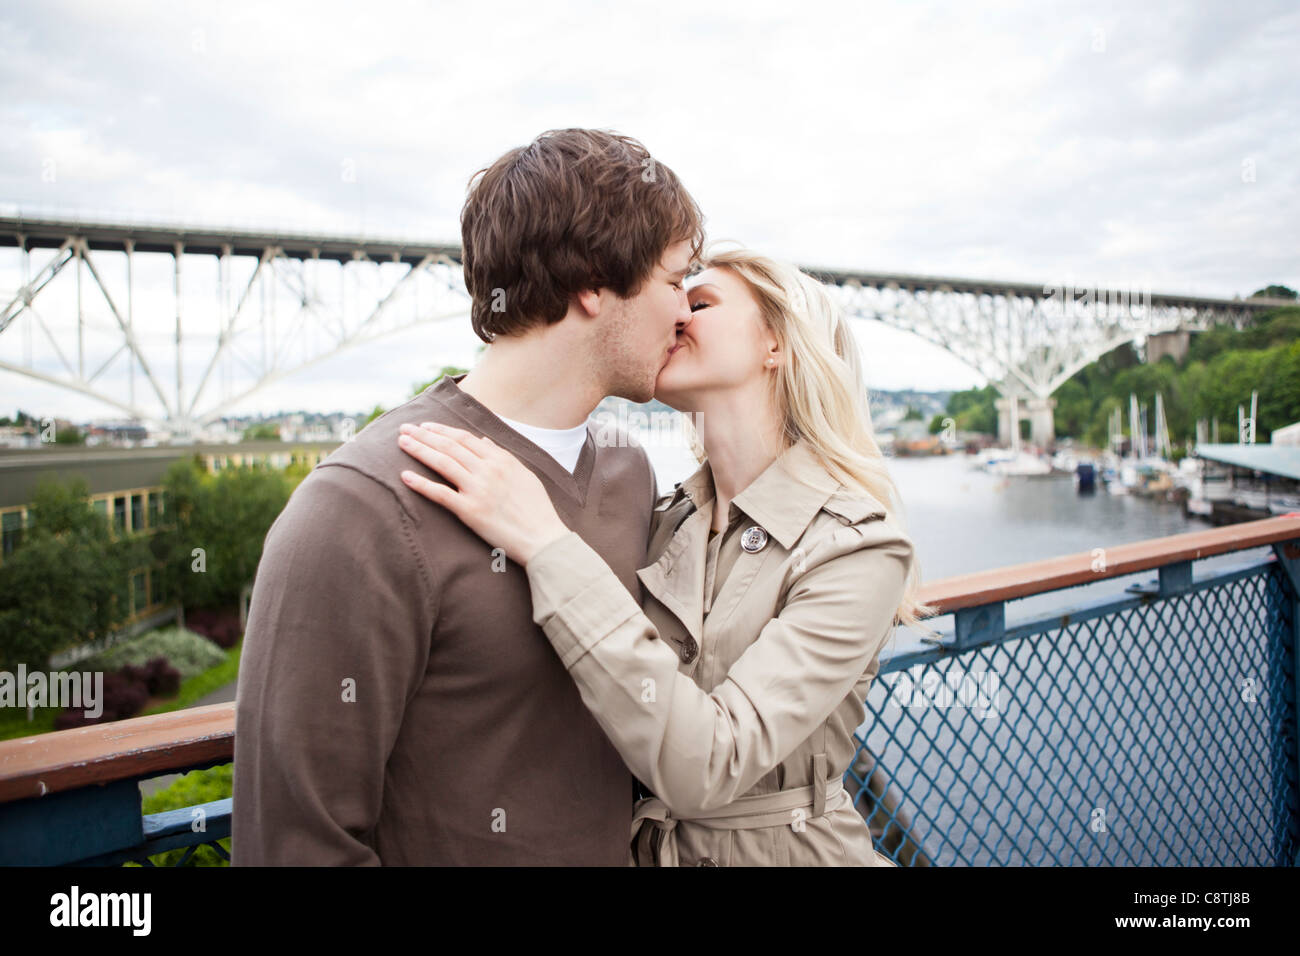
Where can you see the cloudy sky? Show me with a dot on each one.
(1152, 144)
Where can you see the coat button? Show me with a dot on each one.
(707, 861)
(753, 539)
(689, 650)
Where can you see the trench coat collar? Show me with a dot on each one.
(782, 500)
(785, 498)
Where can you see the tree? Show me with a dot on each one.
(267, 431)
(1224, 365)
(68, 582)
(974, 410)
(1276, 327)
(220, 522)
(295, 472)
(1274, 292)
(1073, 410)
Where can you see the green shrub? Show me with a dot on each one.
(66, 583)
(189, 653)
(195, 787)
(195, 688)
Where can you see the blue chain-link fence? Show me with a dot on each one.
(1153, 729)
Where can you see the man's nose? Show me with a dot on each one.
(684, 313)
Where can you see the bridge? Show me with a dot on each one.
(205, 317)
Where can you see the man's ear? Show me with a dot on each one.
(589, 302)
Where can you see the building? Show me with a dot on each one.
(1289, 436)
(18, 436)
(1237, 482)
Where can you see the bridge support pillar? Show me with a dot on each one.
(1042, 421)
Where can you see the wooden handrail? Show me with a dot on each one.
(1052, 574)
(101, 753)
(69, 759)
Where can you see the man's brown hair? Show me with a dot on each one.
(574, 209)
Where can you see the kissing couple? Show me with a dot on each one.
(479, 636)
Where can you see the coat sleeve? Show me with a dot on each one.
(699, 750)
(337, 642)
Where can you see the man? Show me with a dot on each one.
(396, 703)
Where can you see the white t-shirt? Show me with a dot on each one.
(563, 444)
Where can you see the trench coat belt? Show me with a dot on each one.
(743, 813)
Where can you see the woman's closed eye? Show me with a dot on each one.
(696, 306)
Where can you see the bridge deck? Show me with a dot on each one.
(50, 233)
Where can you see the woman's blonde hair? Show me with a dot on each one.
(821, 389)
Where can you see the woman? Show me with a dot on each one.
(776, 574)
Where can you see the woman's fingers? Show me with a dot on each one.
(457, 446)
(448, 458)
(435, 491)
(483, 457)
(481, 445)
(496, 495)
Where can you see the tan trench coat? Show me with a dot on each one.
(739, 721)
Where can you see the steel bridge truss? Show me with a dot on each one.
(339, 295)
(1027, 339)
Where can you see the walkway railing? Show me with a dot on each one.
(1153, 725)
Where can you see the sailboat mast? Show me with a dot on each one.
(1134, 427)
(1164, 449)
(1015, 424)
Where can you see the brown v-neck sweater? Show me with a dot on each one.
(396, 703)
